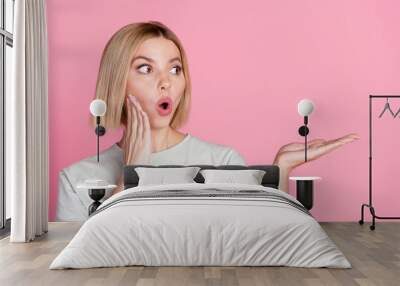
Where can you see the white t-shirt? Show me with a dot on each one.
(73, 203)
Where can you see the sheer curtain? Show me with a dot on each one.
(27, 124)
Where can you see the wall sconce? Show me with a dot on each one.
(97, 187)
(98, 108)
(305, 107)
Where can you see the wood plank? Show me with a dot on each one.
(375, 257)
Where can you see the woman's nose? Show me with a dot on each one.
(164, 83)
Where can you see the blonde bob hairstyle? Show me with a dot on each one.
(115, 65)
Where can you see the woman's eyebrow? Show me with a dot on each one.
(175, 59)
(151, 60)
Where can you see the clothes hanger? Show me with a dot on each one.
(387, 106)
(398, 111)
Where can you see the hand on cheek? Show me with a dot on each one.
(137, 134)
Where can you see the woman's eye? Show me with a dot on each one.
(177, 69)
(144, 68)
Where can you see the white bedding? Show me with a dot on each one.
(190, 230)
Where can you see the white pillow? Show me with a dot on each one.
(161, 176)
(250, 177)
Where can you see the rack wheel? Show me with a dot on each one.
(361, 222)
(372, 227)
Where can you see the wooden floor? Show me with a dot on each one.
(374, 255)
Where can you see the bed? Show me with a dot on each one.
(201, 224)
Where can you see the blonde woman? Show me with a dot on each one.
(144, 80)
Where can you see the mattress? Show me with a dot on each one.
(201, 225)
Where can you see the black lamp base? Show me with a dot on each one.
(100, 130)
(96, 195)
(303, 130)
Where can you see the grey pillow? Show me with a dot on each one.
(161, 176)
(250, 177)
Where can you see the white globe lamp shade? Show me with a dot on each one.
(305, 107)
(98, 107)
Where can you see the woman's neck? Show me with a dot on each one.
(161, 139)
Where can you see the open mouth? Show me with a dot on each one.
(164, 106)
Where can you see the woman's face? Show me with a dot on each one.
(156, 79)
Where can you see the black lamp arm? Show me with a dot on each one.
(100, 131)
(303, 131)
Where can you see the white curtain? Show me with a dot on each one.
(27, 124)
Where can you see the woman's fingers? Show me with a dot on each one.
(349, 138)
(292, 147)
(146, 147)
(127, 128)
(137, 134)
(296, 146)
(140, 112)
(132, 123)
(316, 141)
(135, 120)
(141, 141)
(140, 120)
(146, 124)
(330, 145)
(293, 154)
(137, 139)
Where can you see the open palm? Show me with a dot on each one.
(292, 155)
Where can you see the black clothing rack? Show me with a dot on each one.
(369, 205)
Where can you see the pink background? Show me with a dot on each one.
(251, 62)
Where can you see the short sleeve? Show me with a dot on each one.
(73, 203)
(69, 206)
(235, 158)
